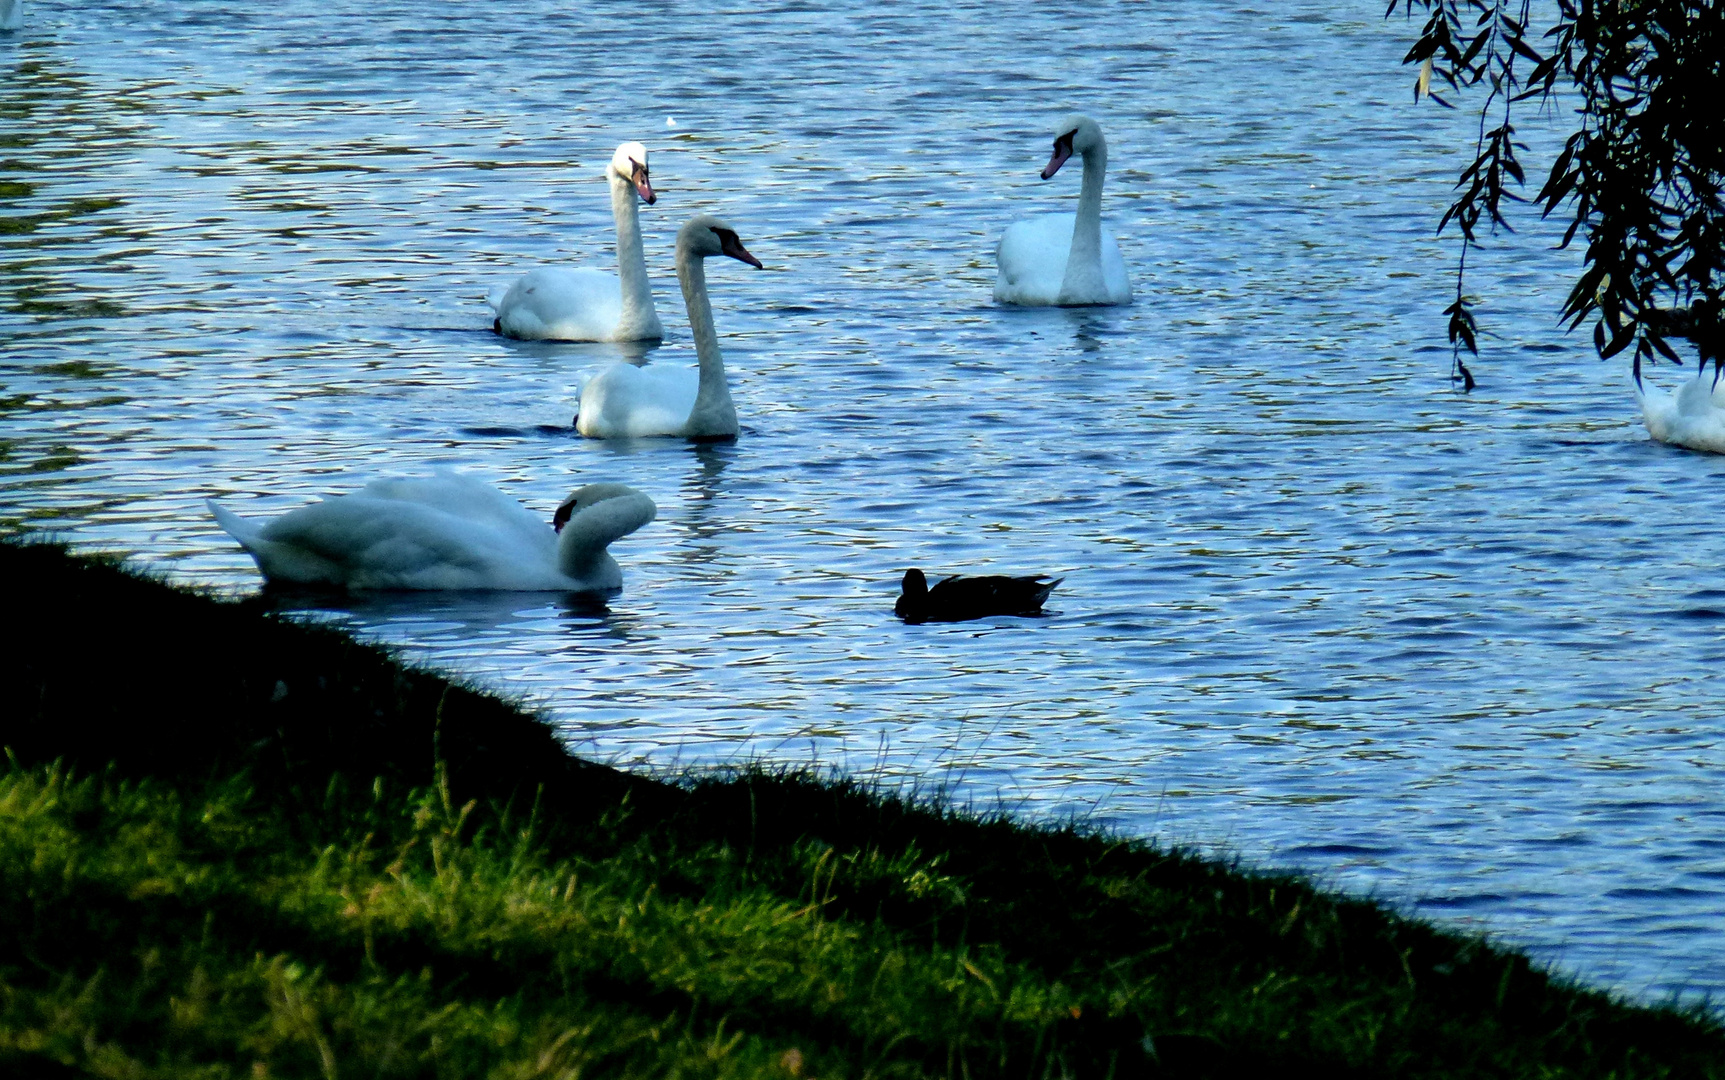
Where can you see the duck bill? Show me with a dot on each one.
(643, 186)
(1062, 151)
(730, 245)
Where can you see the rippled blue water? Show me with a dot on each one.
(1320, 609)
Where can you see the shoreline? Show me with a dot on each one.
(341, 863)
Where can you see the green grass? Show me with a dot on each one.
(231, 845)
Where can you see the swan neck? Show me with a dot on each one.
(1084, 261)
(582, 553)
(639, 319)
(713, 413)
(591, 567)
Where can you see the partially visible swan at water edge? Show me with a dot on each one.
(624, 401)
(1065, 259)
(564, 303)
(11, 14)
(444, 532)
(1693, 417)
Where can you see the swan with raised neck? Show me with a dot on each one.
(626, 401)
(447, 531)
(1065, 259)
(580, 304)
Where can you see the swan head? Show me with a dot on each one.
(591, 495)
(1075, 134)
(705, 236)
(630, 163)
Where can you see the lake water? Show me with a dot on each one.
(1321, 609)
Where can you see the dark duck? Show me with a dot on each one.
(962, 597)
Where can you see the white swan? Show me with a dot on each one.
(446, 532)
(1693, 417)
(624, 401)
(566, 304)
(1065, 259)
(11, 14)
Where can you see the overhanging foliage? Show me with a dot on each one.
(1640, 177)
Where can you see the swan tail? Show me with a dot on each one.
(235, 526)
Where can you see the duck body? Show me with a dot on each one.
(961, 597)
(1693, 417)
(444, 532)
(1067, 260)
(560, 303)
(1032, 260)
(627, 401)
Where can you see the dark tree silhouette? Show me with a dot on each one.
(1639, 179)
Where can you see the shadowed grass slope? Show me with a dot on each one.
(235, 845)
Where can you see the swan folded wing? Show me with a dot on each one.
(1031, 259)
(468, 499)
(561, 304)
(393, 544)
(629, 402)
(1031, 263)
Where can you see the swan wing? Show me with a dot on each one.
(1114, 270)
(1030, 262)
(628, 402)
(561, 304)
(468, 499)
(366, 542)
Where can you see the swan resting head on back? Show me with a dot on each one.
(562, 303)
(625, 401)
(1065, 259)
(447, 531)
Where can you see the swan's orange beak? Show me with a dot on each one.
(1062, 151)
(643, 186)
(730, 245)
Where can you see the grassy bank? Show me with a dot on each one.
(232, 845)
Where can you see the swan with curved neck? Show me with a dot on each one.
(625, 401)
(1693, 417)
(1065, 259)
(576, 304)
(445, 532)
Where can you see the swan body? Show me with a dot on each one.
(1065, 259)
(444, 532)
(961, 597)
(574, 304)
(1693, 417)
(625, 401)
(11, 14)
